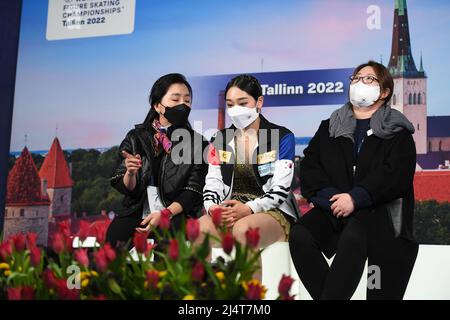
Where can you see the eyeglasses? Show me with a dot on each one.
(365, 79)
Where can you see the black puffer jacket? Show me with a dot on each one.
(173, 179)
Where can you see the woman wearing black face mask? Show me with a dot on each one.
(150, 176)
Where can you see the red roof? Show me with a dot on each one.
(24, 184)
(432, 185)
(55, 168)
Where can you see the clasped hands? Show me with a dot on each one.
(232, 211)
(343, 205)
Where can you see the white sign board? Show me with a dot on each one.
(70, 19)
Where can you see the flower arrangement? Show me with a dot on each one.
(178, 270)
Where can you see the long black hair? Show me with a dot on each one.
(246, 83)
(159, 90)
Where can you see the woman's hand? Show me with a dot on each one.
(224, 210)
(237, 210)
(132, 163)
(152, 221)
(343, 205)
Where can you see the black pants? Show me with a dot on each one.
(365, 235)
(122, 228)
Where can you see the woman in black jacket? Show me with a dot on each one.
(358, 174)
(162, 164)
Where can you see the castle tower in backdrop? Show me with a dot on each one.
(410, 84)
(27, 206)
(56, 180)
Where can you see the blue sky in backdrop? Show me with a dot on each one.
(96, 89)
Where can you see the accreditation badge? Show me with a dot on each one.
(224, 156)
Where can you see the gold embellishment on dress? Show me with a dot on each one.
(245, 180)
(246, 188)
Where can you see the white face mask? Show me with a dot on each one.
(363, 95)
(241, 116)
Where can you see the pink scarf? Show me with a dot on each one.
(160, 137)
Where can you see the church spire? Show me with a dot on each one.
(400, 5)
(401, 62)
(421, 63)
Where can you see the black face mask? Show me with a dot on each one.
(177, 115)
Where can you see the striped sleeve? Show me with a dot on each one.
(213, 192)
